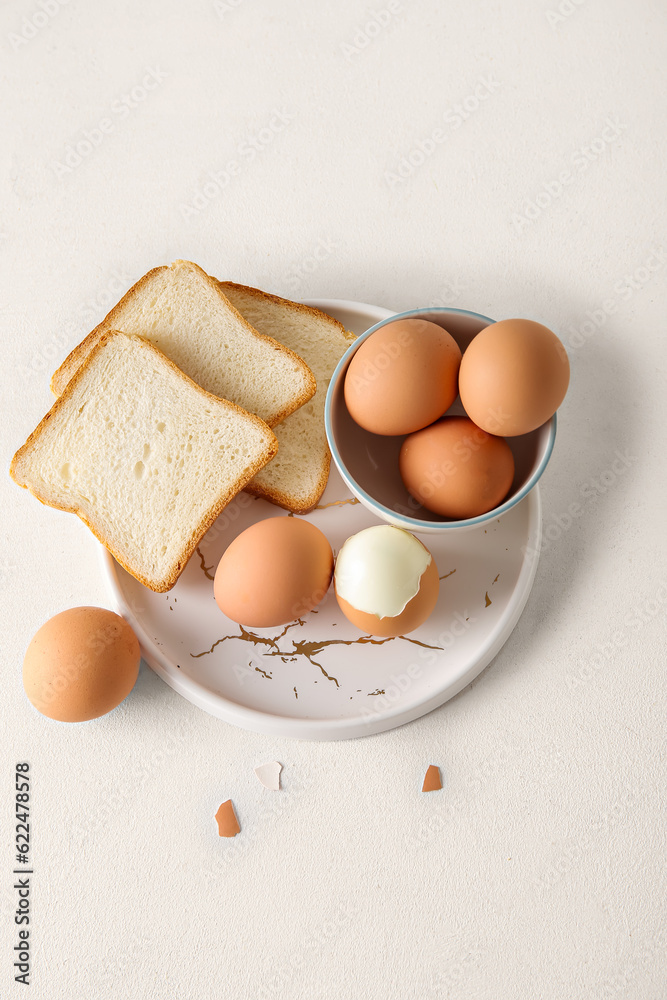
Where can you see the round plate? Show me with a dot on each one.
(319, 678)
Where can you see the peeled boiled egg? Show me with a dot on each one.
(456, 469)
(403, 377)
(273, 572)
(81, 664)
(386, 581)
(514, 376)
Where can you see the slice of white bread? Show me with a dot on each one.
(143, 455)
(296, 478)
(183, 311)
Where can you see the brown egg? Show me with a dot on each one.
(81, 664)
(456, 469)
(378, 569)
(403, 377)
(514, 376)
(273, 572)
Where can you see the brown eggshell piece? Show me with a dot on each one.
(81, 664)
(414, 614)
(456, 469)
(274, 572)
(513, 377)
(228, 824)
(432, 780)
(403, 377)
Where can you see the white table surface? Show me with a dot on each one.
(538, 871)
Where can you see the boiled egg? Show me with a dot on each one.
(386, 581)
(513, 377)
(81, 664)
(456, 469)
(403, 377)
(274, 572)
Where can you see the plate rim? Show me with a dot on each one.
(332, 730)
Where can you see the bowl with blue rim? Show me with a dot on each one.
(368, 463)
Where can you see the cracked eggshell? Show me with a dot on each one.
(274, 572)
(373, 571)
(269, 775)
(432, 779)
(228, 824)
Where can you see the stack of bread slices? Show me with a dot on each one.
(190, 390)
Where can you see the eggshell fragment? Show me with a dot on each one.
(403, 377)
(269, 775)
(513, 377)
(415, 614)
(81, 664)
(228, 824)
(432, 781)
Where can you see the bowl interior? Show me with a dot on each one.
(371, 460)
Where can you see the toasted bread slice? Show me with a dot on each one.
(296, 478)
(143, 455)
(183, 312)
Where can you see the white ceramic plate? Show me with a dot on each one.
(319, 679)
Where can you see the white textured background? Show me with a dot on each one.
(538, 872)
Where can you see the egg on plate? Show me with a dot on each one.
(386, 581)
(274, 572)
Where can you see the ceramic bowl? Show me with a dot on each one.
(368, 462)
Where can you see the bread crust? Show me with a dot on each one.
(278, 497)
(296, 306)
(77, 355)
(288, 502)
(205, 523)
